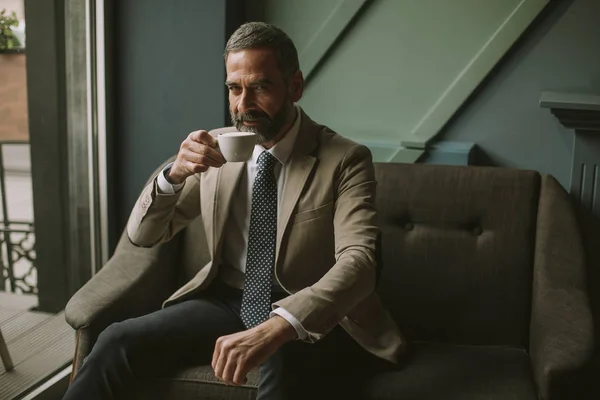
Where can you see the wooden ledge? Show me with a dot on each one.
(577, 111)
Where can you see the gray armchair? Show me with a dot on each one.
(483, 270)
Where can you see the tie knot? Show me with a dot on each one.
(266, 161)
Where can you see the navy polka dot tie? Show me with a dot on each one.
(262, 236)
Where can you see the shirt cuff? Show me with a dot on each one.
(283, 313)
(164, 186)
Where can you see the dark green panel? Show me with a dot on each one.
(46, 107)
(169, 76)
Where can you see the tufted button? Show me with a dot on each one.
(477, 231)
(409, 226)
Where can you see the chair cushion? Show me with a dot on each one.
(431, 371)
(441, 371)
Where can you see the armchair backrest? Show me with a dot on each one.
(458, 251)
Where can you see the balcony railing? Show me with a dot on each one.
(18, 273)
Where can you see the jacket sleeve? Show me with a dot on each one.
(157, 217)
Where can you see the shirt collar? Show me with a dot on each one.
(282, 149)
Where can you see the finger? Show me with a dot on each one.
(240, 375)
(229, 369)
(202, 159)
(205, 150)
(203, 137)
(195, 168)
(216, 353)
(220, 366)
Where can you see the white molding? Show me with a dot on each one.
(327, 34)
(101, 150)
(473, 73)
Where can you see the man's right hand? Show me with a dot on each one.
(197, 153)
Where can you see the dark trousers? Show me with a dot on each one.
(140, 349)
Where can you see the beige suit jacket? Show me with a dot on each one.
(326, 235)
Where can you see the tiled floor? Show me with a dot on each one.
(40, 344)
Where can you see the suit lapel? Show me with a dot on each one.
(297, 172)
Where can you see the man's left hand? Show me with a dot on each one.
(235, 355)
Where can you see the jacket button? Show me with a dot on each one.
(409, 226)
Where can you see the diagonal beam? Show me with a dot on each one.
(332, 28)
(473, 73)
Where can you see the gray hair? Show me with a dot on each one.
(252, 35)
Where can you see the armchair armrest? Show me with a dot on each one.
(133, 282)
(561, 331)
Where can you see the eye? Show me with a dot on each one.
(234, 89)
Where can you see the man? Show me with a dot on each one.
(292, 235)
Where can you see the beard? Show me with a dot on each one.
(267, 128)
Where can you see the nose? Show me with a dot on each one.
(245, 101)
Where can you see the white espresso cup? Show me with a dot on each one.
(237, 146)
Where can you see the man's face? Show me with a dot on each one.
(260, 98)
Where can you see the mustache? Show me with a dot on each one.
(251, 116)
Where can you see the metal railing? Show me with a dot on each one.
(18, 273)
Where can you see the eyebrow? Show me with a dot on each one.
(264, 81)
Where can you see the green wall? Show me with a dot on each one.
(386, 70)
(561, 53)
(299, 18)
(398, 69)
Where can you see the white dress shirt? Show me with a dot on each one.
(235, 244)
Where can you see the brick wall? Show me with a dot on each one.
(13, 98)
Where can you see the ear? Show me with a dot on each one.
(296, 86)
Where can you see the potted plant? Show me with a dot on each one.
(8, 40)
